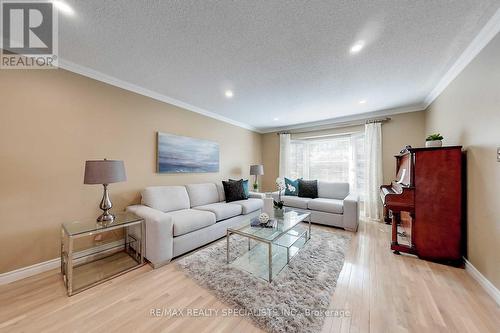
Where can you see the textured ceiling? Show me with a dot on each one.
(283, 59)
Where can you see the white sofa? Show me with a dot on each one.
(182, 218)
(335, 206)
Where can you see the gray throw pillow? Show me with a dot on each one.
(308, 188)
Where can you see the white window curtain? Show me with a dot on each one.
(284, 167)
(337, 158)
(373, 170)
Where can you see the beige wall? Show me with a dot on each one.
(403, 129)
(468, 113)
(52, 121)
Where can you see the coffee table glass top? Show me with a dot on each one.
(287, 222)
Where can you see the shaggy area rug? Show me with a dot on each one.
(297, 298)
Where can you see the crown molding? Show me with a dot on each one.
(325, 124)
(99, 76)
(485, 35)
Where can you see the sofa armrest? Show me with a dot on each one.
(256, 195)
(351, 212)
(159, 234)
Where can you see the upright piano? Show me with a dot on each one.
(426, 204)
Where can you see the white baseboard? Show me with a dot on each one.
(41, 267)
(28, 271)
(483, 282)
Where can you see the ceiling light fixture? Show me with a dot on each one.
(363, 101)
(229, 93)
(63, 7)
(358, 46)
(276, 119)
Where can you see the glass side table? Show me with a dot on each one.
(96, 264)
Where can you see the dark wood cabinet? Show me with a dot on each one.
(427, 203)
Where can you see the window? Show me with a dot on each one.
(337, 159)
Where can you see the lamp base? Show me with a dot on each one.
(106, 205)
(106, 217)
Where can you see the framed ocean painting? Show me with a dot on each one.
(182, 154)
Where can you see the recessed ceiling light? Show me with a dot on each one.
(229, 93)
(363, 101)
(63, 7)
(358, 46)
(276, 119)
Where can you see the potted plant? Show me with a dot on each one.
(278, 205)
(434, 140)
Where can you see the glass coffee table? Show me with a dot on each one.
(273, 247)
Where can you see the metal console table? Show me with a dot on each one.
(96, 264)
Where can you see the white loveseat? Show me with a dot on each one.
(182, 218)
(335, 206)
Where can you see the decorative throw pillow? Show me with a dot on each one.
(291, 187)
(308, 188)
(245, 186)
(234, 190)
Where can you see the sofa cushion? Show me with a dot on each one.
(308, 188)
(165, 198)
(332, 190)
(234, 190)
(222, 210)
(249, 205)
(293, 201)
(188, 220)
(246, 187)
(291, 186)
(220, 189)
(202, 194)
(327, 205)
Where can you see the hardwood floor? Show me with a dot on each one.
(382, 292)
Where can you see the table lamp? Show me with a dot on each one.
(104, 172)
(256, 170)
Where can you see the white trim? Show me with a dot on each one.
(487, 33)
(41, 267)
(28, 271)
(324, 124)
(483, 282)
(96, 75)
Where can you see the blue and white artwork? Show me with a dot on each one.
(182, 154)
